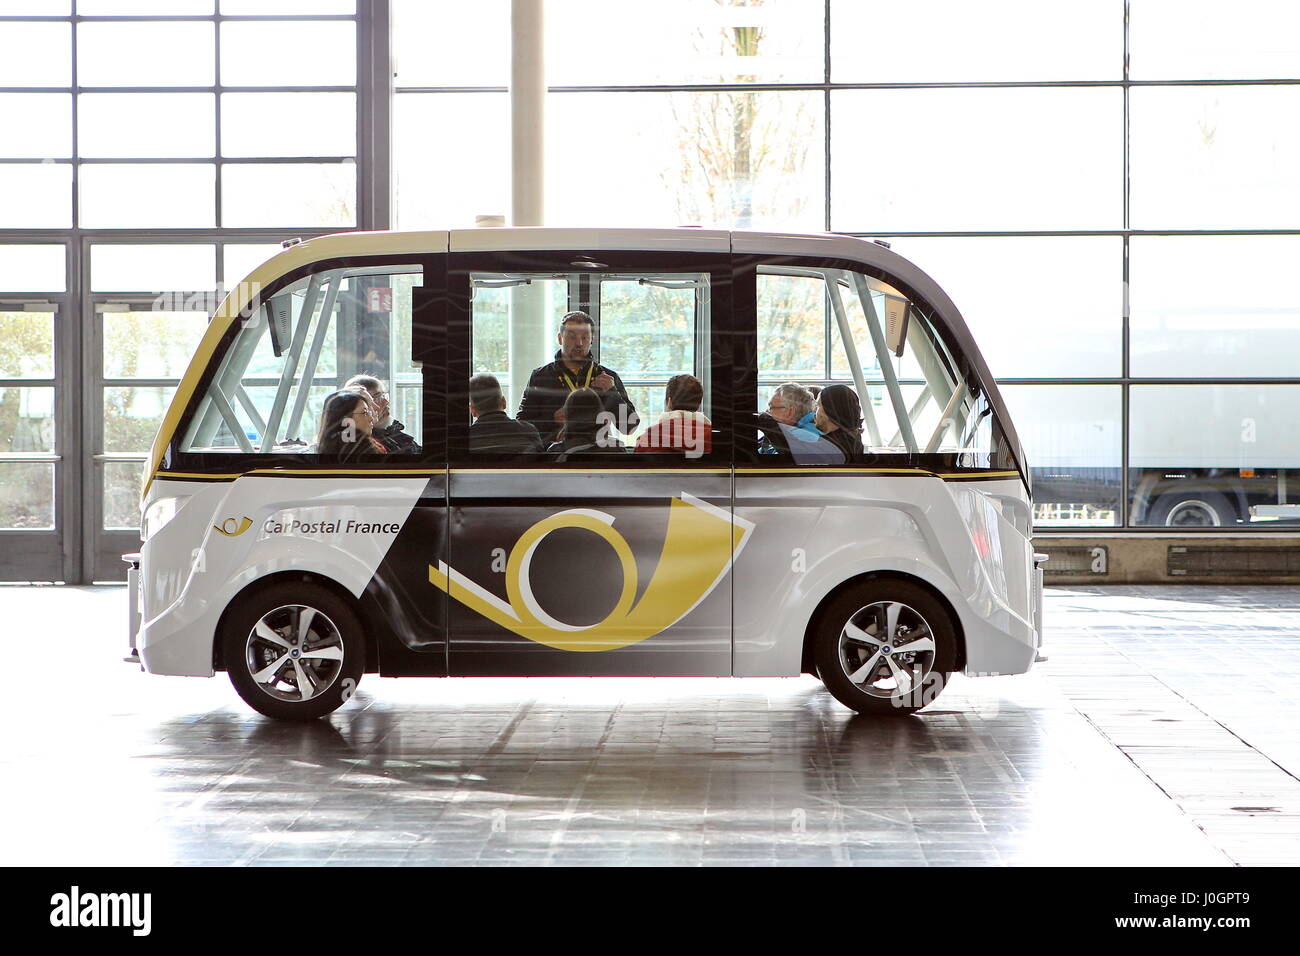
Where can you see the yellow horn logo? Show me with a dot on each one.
(233, 529)
(699, 546)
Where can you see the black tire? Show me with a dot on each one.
(1193, 509)
(333, 625)
(865, 606)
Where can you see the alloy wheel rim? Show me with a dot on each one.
(294, 653)
(887, 649)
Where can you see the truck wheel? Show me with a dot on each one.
(885, 646)
(1194, 509)
(294, 651)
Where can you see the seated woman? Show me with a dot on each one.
(583, 432)
(839, 419)
(683, 427)
(346, 422)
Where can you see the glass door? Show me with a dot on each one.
(34, 512)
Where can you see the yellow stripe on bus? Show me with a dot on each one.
(429, 472)
(296, 472)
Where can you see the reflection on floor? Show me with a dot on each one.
(1163, 731)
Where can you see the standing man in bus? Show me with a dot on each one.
(574, 368)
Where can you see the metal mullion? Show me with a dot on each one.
(76, 137)
(262, 17)
(210, 160)
(1065, 233)
(147, 299)
(188, 234)
(1152, 380)
(30, 382)
(72, 477)
(374, 94)
(131, 18)
(284, 160)
(91, 432)
(139, 382)
(1125, 328)
(813, 86)
(140, 17)
(450, 89)
(195, 235)
(826, 112)
(216, 143)
(192, 17)
(190, 89)
(361, 195)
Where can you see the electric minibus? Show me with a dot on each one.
(841, 492)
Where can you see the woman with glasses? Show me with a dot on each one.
(387, 430)
(346, 425)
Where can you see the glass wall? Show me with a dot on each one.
(166, 149)
(1108, 189)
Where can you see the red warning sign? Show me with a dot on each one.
(379, 300)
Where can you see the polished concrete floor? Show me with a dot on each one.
(1164, 730)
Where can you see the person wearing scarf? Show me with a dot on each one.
(839, 418)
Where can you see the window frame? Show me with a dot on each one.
(717, 266)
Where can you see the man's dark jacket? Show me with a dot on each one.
(549, 386)
(396, 441)
(498, 432)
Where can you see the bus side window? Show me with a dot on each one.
(306, 341)
(648, 349)
(827, 326)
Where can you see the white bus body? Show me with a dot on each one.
(296, 571)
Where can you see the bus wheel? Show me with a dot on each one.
(1197, 509)
(885, 646)
(294, 651)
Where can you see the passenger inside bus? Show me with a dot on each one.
(793, 406)
(389, 432)
(683, 427)
(574, 368)
(799, 428)
(346, 423)
(839, 419)
(586, 427)
(493, 431)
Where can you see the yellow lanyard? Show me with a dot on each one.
(574, 386)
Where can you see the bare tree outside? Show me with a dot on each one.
(742, 157)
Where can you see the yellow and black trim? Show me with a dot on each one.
(842, 472)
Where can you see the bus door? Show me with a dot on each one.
(569, 552)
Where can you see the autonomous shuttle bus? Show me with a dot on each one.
(586, 452)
